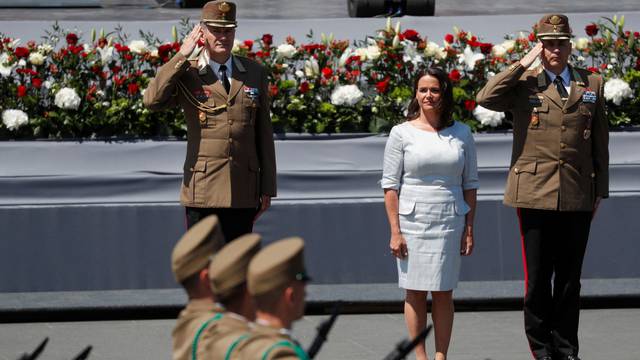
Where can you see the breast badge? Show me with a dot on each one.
(589, 97)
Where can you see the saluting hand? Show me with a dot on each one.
(398, 246)
(466, 243)
(189, 43)
(532, 55)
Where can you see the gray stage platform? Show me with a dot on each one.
(104, 216)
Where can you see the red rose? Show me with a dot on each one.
(116, 69)
(267, 39)
(603, 66)
(273, 90)
(176, 46)
(454, 75)
(128, 56)
(75, 49)
(132, 89)
(485, 48)
(36, 83)
(248, 44)
(72, 39)
(469, 105)
(327, 72)
(591, 29)
(121, 48)
(383, 86)
(448, 38)
(163, 50)
(636, 34)
(593, 69)
(474, 43)
(102, 42)
(200, 42)
(462, 35)
(262, 54)
(304, 87)
(532, 36)
(22, 90)
(21, 52)
(411, 34)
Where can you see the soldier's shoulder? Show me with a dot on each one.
(250, 64)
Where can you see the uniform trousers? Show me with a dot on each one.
(553, 246)
(233, 221)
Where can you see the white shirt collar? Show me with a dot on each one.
(564, 75)
(215, 66)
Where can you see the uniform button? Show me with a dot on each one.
(230, 140)
(561, 162)
(593, 175)
(191, 169)
(563, 145)
(516, 170)
(230, 122)
(230, 157)
(563, 128)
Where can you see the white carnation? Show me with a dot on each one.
(5, 70)
(362, 53)
(582, 43)
(616, 90)
(285, 51)
(488, 117)
(346, 95)
(498, 51)
(138, 46)
(13, 118)
(299, 73)
(36, 58)
(434, 50)
(67, 98)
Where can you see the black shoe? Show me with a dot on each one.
(571, 357)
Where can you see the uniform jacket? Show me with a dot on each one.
(218, 337)
(560, 156)
(191, 318)
(263, 340)
(230, 158)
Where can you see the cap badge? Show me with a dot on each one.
(555, 20)
(224, 9)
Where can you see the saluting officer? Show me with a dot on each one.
(228, 277)
(558, 174)
(277, 280)
(230, 167)
(189, 262)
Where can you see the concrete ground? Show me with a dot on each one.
(610, 334)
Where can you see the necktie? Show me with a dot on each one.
(222, 75)
(561, 89)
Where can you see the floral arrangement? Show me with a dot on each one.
(63, 87)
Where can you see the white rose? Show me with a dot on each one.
(488, 117)
(582, 43)
(285, 51)
(13, 118)
(46, 84)
(509, 44)
(87, 48)
(346, 95)
(362, 53)
(373, 52)
(236, 46)
(616, 90)
(36, 58)
(67, 98)
(498, 51)
(432, 49)
(138, 46)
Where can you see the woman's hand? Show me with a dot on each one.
(190, 41)
(466, 243)
(398, 246)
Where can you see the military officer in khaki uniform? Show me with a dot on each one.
(230, 167)
(277, 280)
(558, 174)
(189, 262)
(228, 277)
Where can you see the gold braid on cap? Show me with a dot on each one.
(197, 103)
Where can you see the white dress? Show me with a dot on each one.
(430, 170)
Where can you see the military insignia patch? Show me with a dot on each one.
(535, 100)
(589, 97)
(252, 93)
(201, 94)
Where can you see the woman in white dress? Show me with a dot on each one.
(430, 179)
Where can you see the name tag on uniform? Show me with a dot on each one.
(589, 97)
(252, 93)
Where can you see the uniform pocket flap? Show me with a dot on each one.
(405, 206)
(199, 166)
(525, 166)
(461, 207)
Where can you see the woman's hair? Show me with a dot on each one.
(446, 97)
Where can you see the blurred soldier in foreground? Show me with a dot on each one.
(228, 276)
(277, 280)
(189, 262)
